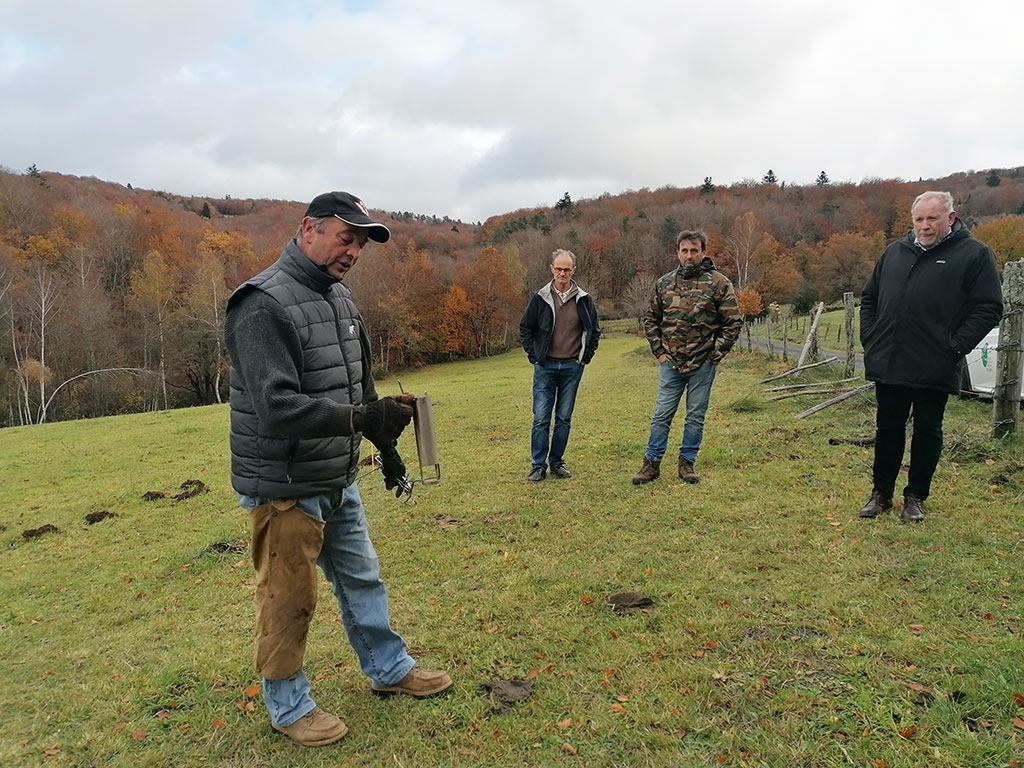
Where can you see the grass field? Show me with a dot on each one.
(785, 631)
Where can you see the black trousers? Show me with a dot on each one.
(895, 405)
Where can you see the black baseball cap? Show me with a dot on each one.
(349, 209)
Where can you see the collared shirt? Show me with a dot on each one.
(564, 296)
(929, 247)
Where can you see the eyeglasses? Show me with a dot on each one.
(563, 269)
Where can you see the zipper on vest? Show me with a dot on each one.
(291, 458)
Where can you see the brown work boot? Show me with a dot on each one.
(419, 683)
(876, 505)
(913, 509)
(316, 729)
(686, 471)
(650, 470)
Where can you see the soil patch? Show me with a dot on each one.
(191, 488)
(32, 533)
(95, 517)
(505, 693)
(624, 602)
(237, 546)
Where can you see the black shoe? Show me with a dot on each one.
(561, 471)
(876, 505)
(537, 474)
(913, 509)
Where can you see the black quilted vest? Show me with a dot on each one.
(333, 341)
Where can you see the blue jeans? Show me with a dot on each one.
(349, 562)
(671, 385)
(555, 383)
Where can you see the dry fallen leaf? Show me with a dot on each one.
(710, 645)
(622, 698)
(879, 764)
(52, 751)
(587, 600)
(1017, 722)
(140, 734)
(908, 732)
(569, 749)
(564, 723)
(618, 708)
(1018, 699)
(218, 723)
(252, 691)
(921, 688)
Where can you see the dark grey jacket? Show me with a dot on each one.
(923, 310)
(300, 366)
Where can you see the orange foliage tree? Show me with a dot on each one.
(1005, 236)
(495, 302)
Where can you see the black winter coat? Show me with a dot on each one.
(922, 311)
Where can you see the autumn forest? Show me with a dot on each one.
(112, 298)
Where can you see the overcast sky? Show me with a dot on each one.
(472, 108)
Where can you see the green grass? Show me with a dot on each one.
(786, 630)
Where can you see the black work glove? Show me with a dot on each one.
(392, 467)
(384, 419)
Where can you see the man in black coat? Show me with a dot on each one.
(932, 296)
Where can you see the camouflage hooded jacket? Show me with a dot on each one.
(693, 317)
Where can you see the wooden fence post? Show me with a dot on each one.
(851, 356)
(1006, 396)
(810, 349)
(785, 334)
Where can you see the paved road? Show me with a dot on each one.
(794, 350)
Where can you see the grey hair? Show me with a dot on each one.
(562, 252)
(319, 224)
(943, 197)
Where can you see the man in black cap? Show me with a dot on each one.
(302, 399)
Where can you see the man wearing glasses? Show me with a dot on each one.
(559, 332)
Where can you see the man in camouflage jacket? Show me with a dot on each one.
(691, 324)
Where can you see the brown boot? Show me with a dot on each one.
(649, 471)
(316, 729)
(419, 683)
(686, 471)
(876, 505)
(913, 509)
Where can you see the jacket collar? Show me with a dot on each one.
(303, 269)
(687, 273)
(547, 292)
(958, 231)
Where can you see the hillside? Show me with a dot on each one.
(96, 276)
